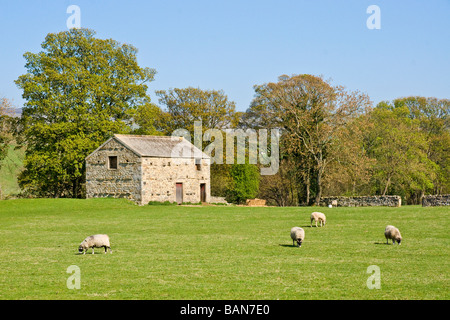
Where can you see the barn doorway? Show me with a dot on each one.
(202, 192)
(179, 193)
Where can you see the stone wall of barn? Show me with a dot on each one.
(160, 176)
(123, 182)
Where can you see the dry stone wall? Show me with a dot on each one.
(369, 201)
(436, 200)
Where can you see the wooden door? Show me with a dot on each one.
(202, 192)
(179, 193)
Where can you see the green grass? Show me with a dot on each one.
(10, 167)
(206, 252)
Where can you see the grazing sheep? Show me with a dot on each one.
(95, 241)
(392, 233)
(297, 234)
(318, 216)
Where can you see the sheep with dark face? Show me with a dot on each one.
(95, 241)
(392, 233)
(297, 235)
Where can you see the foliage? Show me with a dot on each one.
(279, 189)
(311, 112)
(6, 120)
(244, 184)
(79, 91)
(185, 106)
(145, 118)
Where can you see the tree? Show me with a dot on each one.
(79, 91)
(146, 117)
(244, 184)
(185, 106)
(311, 112)
(6, 114)
(350, 174)
(278, 189)
(399, 147)
(182, 107)
(433, 116)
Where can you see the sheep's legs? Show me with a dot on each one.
(92, 250)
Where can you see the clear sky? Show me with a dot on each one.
(235, 44)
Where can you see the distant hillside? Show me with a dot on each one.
(11, 166)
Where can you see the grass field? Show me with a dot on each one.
(206, 252)
(10, 167)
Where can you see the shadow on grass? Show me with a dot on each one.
(313, 226)
(287, 245)
(89, 253)
(381, 243)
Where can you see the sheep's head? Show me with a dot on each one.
(82, 247)
(299, 242)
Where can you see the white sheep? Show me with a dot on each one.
(95, 241)
(318, 216)
(297, 234)
(392, 233)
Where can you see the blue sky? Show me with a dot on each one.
(234, 45)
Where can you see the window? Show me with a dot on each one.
(198, 164)
(113, 162)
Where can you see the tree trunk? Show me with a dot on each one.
(308, 186)
(319, 187)
(388, 182)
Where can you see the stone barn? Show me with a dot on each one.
(148, 168)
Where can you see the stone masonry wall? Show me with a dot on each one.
(160, 176)
(436, 200)
(123, 182)
(369, 201)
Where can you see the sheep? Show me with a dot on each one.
(318, 216)
(297, 234)
(95, 241)
(393, 233)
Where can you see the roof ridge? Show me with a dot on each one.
(144, 136)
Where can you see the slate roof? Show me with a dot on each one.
(158, 146)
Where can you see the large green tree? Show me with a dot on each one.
(182, 107)
(433, 117)
(79, 91)
(400, 150)
(311, 112)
